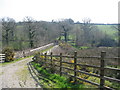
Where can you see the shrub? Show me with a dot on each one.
(9, 54)
(36, 57)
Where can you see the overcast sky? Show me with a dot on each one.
(100, 11)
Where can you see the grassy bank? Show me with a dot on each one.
(49, 80)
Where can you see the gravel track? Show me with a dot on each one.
(17, 75)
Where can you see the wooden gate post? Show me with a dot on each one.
(60, 64)
(102, 64)
(75, 66)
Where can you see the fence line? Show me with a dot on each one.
(2, 57)
(102, 68)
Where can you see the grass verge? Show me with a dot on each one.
(47, 49)
(6, 63)
(16, 60)
(50, 80)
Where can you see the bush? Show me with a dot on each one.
(9, 54)
(36, 57)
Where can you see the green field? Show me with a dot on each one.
(109, 30)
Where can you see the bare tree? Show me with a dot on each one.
(78, 36)
(66, 25)
(86, 27)
(30, 27)
(8, 26)
(117, 27)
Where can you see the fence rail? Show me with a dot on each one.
(101, 68)
(2, 57)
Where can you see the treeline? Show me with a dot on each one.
(87, 34)
(31, 33)
(28, 33)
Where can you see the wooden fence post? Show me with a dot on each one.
(60, 64)
(75, 66)
(51, 58)
(102, 64)
(45, 57)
